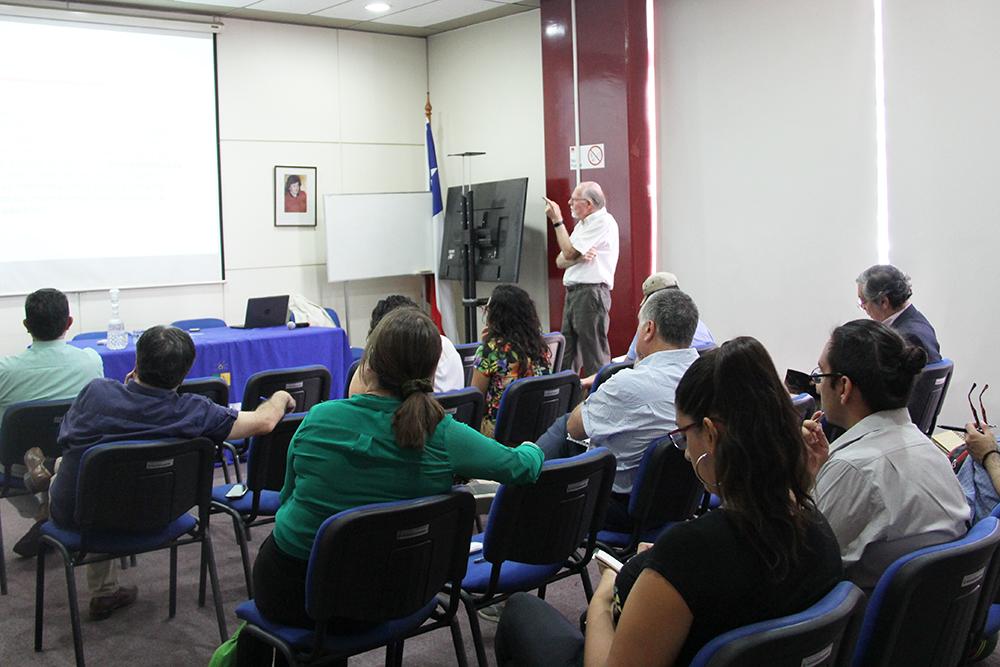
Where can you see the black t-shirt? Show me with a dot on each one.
(725, 583)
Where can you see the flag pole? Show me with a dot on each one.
(430, 285)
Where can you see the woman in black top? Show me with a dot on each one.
(767, 552)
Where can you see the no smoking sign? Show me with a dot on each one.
(587, 156)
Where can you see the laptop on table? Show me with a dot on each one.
(267, 311)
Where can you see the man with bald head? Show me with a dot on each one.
(589, 257)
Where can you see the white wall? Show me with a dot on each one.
(767, 176)
(348, 103)
(942, 105)
(486, 89)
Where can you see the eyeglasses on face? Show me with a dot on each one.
(678, 437)
(817, 376)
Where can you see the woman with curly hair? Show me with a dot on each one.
(512, 348)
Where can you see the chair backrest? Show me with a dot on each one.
(805, 405)
(212, 388)
(308, 385)
(530, 405)
(822, 635)
(990, 596)
(333, 316)
(468, 353)
(705, 348)
(545, 522)
(465, 405)
(385, 561)
(268, 455)
(31, 424)
(922, 608)
(140, 487)
(91, 335)
(665, 487)
(200, 323)
(351, 370)
(929, 391)
(607, 370)
(557, 345)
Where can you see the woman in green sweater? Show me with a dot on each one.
(390, 440)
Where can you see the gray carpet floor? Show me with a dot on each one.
(143, 634)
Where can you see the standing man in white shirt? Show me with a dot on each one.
(589, 256)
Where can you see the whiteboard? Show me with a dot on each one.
(378, 235)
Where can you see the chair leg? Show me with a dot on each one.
(123, 563)
(394, 654)
(456, 640)
(74, 607)
(588, 588)
(3, 565)
(173, 582)
(221, 458)
(541, 591)
(477, 634)
(132, 561)
(241, 539)
(209, 555)
(39, 595)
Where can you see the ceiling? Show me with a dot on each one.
(418, 18)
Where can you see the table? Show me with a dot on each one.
(236, 354)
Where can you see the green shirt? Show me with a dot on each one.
(345, 455)
(48, 370)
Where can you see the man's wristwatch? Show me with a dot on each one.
(557, 223)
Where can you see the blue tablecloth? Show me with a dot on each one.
(236, 354)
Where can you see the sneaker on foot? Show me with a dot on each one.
(103, 606)
(492, 613)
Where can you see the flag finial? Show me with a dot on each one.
(428, 107)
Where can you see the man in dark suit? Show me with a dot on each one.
(884, 294)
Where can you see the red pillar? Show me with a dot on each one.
(612, 65)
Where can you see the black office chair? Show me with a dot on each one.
(557, 346)
(465, 405)
(805, 405)
(468, 353)
(350, 376)
(929, 391)
(26, 425)
(266, 459)
(539, 533)
(133, 498)
(217, 391)
(308, 385)
(607, 370)
(824, 634)
(922, 608)
(530, 405)
(383, 564)
(200, 323)
(665, 491)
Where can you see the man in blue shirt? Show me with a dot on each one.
(635, 406)
(146, 407)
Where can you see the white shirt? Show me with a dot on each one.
(892, 318)
(450, 375)
(634, 407)
(600, 232)
(887, 490)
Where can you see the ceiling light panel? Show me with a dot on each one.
(354, 10)
(294, 6)
(432, 13)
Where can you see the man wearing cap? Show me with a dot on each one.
(589, 257)
(635, 406)
(703, 338)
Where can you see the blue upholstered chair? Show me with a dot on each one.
(383, 564)
(350, 376)
(266, 462)
(529, 406)
(665, 491)
(217, 391)
(824, 634)
(929, 391)
(607, 371)
(539, 533)
(986, 620)
(25, 425)
(200, 323)
(465, 405)
(468, 353)
(133, 498)
(557, 346)
(805, 405)
(308, 385)
(922, 608)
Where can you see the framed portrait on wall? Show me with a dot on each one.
(294, 196)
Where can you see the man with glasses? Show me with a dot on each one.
(589, 257)
(884, 487)
(635, 406)
(884, 294)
